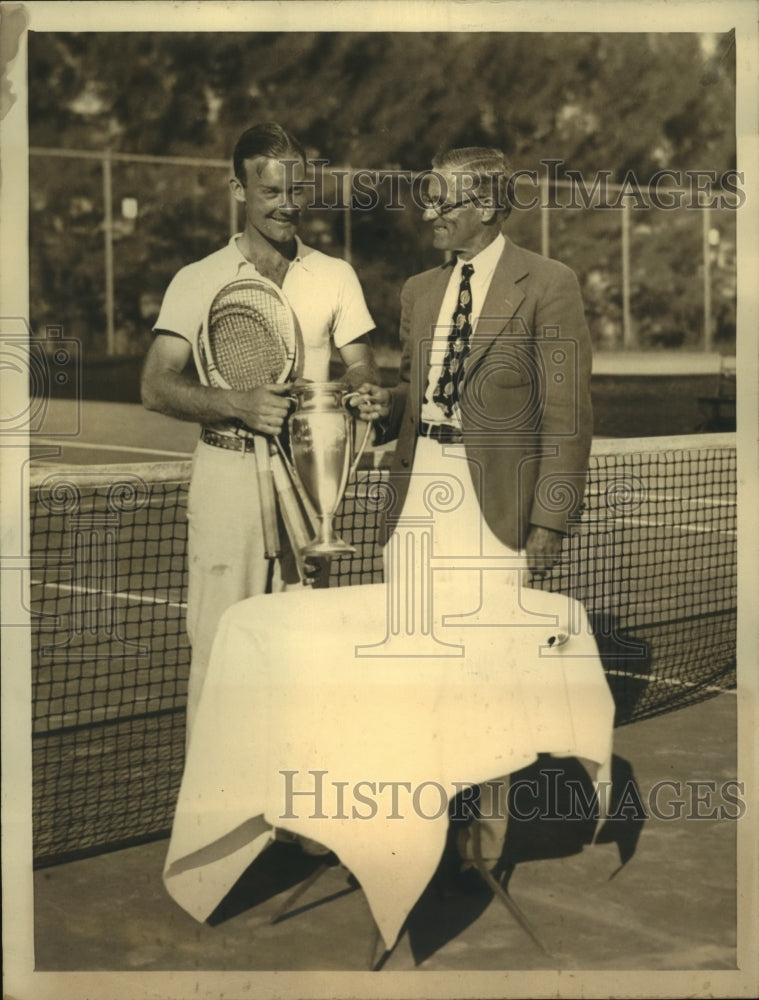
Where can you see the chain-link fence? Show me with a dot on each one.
(109, 230)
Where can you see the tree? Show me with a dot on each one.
(625, 103)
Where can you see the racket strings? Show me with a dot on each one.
(246, 361)
(251, 337)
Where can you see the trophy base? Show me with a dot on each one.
(332, 547)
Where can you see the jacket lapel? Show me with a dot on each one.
(504, 297)
(429, 307)
(426, 316)
(502, 303)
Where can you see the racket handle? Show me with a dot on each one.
(298, 531)
(295, 484)
(268, 500)
(292, 516)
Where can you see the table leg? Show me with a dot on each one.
(299, 891)
(500, 892)
(377, 952)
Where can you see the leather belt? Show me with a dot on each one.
(444, 433)
(231, 442)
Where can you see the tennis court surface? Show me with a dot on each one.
(653, 560)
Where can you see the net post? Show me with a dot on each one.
(706, 255)
(545, 233)
(628, 333)
(107, 163)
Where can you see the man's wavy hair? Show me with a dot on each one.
(268, 140)
(481, 171)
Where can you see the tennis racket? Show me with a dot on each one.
(249, 339)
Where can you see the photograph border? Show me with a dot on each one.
(21, 982)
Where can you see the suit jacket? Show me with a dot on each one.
(525, 396)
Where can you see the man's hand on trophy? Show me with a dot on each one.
(371, 402)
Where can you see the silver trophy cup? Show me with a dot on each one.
(321, 442)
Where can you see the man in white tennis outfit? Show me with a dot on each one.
(226, 551)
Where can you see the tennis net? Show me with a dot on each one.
(652, 559)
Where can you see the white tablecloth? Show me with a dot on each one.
(298, 683)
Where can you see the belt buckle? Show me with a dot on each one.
(244, 441)
(444, 433)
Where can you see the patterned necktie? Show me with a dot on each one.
(446, 392)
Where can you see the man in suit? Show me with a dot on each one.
(494, 375)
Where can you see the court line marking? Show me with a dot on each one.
(642, 609)
(653, 496)
(122, 595)
(670, 681)
(136, 450)
(697, 529)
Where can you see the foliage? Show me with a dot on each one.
(617, 102)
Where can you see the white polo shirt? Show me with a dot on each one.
(323, 292)
(484, 265)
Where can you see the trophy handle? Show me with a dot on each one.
(347, 398)
(360, 452)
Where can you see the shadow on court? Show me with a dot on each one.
(553, 813)
(671, 905)
(279, 869)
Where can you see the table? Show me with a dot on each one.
(299, 698)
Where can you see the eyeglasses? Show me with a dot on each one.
(444, 207)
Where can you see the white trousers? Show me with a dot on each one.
(442, 498)
(227, 560)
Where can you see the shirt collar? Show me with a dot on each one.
(485, 261)
(302, 253)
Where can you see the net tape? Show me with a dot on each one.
(653, 560)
